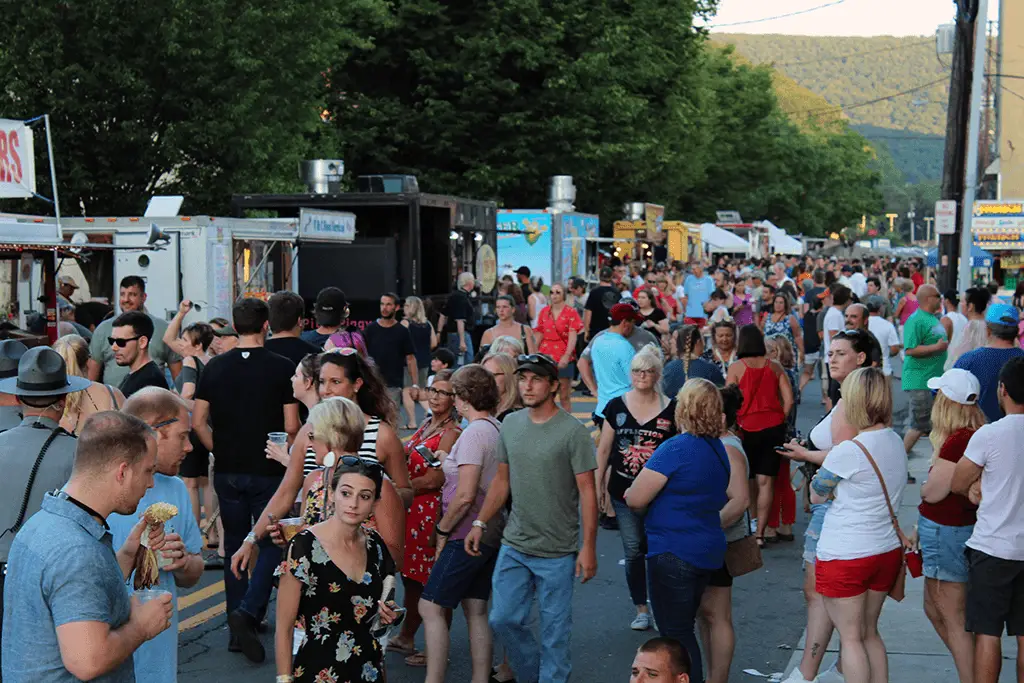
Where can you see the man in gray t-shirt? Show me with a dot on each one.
(547, 462)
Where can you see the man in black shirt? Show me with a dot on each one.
(523, 277)
(390, 346)
(286, 309)
(457, 319)
(243, 395)
(599, 304)
(130, 335)
(330, 312)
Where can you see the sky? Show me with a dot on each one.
(844, 18)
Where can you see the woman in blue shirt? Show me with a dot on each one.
(683, 486)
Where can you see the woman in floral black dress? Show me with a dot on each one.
(332, 581)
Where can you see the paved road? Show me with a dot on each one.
(768, 611)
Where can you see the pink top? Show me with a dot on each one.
(477, 445)
(742, 312)
(908, 310)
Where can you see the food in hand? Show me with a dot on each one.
(158, 513)
(147, 566)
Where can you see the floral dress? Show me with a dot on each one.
(555, 331)
(337, 612)
(425, 510)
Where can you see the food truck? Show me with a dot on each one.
(998, 228)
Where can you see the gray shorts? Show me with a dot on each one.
(919, 413)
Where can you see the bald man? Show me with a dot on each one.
(925, 343)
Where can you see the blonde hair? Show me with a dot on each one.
(948, 416)
(785, 349)
(510, 346)
(75, 352)
(509, 396)
(904, 284)
(649, 358)
(418, 315)
(699, 408)
(338, 423)
(867, 398)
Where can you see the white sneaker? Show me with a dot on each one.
(796, 677)
(831, 675)
(642, 622)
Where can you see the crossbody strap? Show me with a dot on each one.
(885, 492)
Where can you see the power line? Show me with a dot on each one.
(1012, 92)
(868, 102)
(780, 16)
(854, 54)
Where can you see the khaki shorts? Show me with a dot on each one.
(919, 413)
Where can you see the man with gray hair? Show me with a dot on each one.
(457, 318)
(68, 615)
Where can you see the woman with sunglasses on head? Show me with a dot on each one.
(635, 424)
(437, 434)
(332, 578)
(848, 351)
(559, 325)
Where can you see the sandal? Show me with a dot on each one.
(760, 541)
(399, 647)
(416, 659)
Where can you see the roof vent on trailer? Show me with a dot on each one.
(322, 176)
(561, 193)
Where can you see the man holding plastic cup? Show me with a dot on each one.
(180, 559)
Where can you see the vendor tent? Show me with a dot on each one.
(719, 240)
(780, 242)
(979, 258)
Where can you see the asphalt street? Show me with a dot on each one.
(768, 611)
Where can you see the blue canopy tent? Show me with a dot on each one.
(979, 258)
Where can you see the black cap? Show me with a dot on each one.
(331, 300)
(523, 270)
(540, 364)
(11, 351)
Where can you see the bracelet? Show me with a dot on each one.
(480, 525)
(251, 538)
(285, 678)
(445, 534)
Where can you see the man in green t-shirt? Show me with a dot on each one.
(925, 341)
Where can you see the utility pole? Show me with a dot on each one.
(973, 143)
(955, 153)
(928, 221)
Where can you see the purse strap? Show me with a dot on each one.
(904, 541)
(728, 473)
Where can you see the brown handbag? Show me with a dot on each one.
(743, 556)
(899, 588)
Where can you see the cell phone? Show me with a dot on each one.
(781, 449)
(429, 456)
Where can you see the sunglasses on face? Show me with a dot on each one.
(121, 343)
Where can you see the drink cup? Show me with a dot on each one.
(279, 438)
(145, 596)
(290, 527)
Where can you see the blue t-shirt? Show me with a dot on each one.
(683, 519)
(674, 375)
(985, 364)
(697, 291)
(610, 358)
(63, 569)
(156, 661)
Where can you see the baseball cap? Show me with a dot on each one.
(226, 331)
(523, 270)
(846, 268)
(67, 280)
(625, 311)
(538, 363)
(1001, 314)
(957, 385)
(874, 303)
(331, 299)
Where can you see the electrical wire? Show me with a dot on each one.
(854, 54)
(780, 16)
(1012, 92)
(857, 105)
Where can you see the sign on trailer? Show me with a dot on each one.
(17, 160)
(334, 226)
(945, 217)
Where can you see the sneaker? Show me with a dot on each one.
(641, 622)
(831, 675)
(243, 631)
(796, 677)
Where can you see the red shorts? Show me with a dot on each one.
(699, 322)
(850, 578)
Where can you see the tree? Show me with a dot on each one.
(171, 96)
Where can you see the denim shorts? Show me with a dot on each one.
(457, 575)
(813, 532)
(943, 550)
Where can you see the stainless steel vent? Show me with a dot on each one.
(633, 211)
(321, 176)
(561, 193)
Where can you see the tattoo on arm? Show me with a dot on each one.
(824, 482)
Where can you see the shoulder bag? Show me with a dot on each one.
(899, 588)
(742, 556)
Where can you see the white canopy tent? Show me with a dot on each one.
(719, 240)
(780, 242)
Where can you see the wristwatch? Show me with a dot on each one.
(480, 525)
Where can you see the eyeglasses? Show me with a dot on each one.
(164, 423)
(121, 343)
(644, 371)
(431, 391)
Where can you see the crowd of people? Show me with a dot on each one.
(297, 460)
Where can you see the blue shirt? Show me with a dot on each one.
(985, 364)
(683, 519)
(610, 358)
(697, 291)
(156, 661)
(674, 376)
(62, 569)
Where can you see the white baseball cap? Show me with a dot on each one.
(957, 385)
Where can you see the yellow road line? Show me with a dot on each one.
(186, 601)
(201, 618)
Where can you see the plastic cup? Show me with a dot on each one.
(280, 438)
(145, 596)
(290, 527)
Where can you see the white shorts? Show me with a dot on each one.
(812, 358)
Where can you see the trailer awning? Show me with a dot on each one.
(722, 241)
(780, 242)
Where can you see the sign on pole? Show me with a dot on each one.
(17, 161)
(945, 217)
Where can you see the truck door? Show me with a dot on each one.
(157, 267)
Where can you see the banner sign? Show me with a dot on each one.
(17, 161)
(329, 226)
(524, 239)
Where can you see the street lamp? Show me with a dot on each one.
(911, 215)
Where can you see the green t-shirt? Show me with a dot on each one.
(543, 461)
(922, 329)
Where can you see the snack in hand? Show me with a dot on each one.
(147, 567)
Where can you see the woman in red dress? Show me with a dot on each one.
(437, 433)
(558, 325)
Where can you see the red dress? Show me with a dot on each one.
(555, 331)
(425, 510)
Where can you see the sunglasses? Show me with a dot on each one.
(344, 351)
(431, 391)
(121, 343)
(537, 358)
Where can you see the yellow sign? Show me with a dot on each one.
(486, 268)
(1016, 261)
(1003, 209)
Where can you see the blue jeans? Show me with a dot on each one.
(634, 546)
(243, 498)
(518, 580)
(676, 588)
(453, 346)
